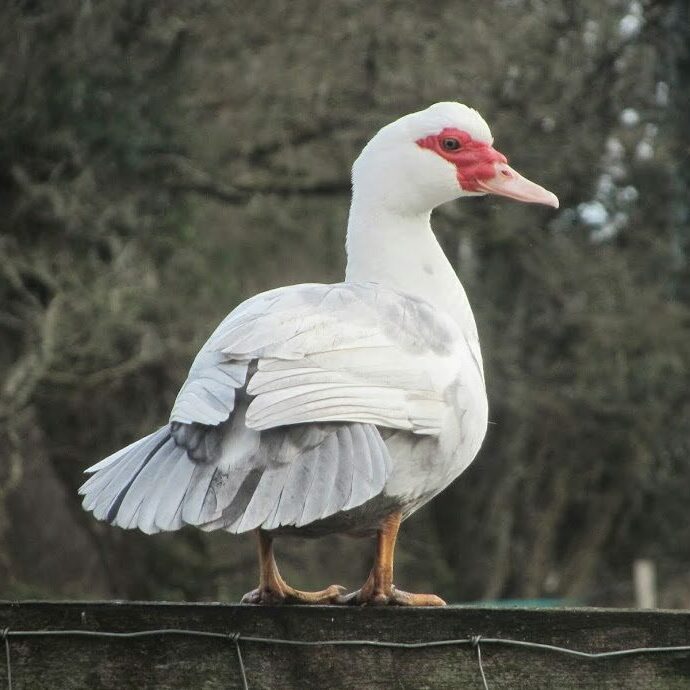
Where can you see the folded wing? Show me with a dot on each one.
(324, 353)
(277, 421)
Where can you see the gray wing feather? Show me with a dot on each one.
(200, 493)
(361, 470)
(263, 501)
(111, 459)
(300, 474)
(232, 515)
(216, 484)
(341, 489)
(142, 487)
(315, 501)
(171, 493)
(101, 493)
(289, 476)
(297, 483)
(105, 471)
(146, 518)
(380, 459)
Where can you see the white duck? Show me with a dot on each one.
(314, 408)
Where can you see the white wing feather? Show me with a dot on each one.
(345, 352)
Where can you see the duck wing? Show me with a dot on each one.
(346, 352)
(277, 421)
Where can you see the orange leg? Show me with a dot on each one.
(379, 589)
(273, 589)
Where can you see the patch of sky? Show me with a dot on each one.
(630, 117)
(592, 213)
(631, 23)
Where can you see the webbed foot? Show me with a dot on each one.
(370, 595)
(280, 593)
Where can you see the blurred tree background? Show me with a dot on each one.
(161, 161)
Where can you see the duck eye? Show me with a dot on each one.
(450, 144)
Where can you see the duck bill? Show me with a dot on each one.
(509, 182)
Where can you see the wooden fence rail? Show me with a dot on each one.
(183, 660)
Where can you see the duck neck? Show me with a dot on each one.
(400, 251)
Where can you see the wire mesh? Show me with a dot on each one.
(474, 642)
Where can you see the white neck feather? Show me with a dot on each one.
(400, 251)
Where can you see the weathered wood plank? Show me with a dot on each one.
(174, 663)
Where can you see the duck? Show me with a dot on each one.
(342, 408)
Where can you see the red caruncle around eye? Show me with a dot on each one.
(474, 160)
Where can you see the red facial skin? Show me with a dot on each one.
(474, 161)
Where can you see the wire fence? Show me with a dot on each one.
(474, 642)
